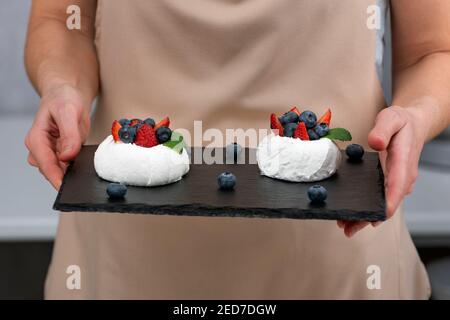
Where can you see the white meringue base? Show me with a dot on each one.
(297, 160)
(137, 166)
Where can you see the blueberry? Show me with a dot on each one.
(322, 130)
(289, 117)
(313, 135)
(289, 129)
(317, 194)
(124, 122)
(226, 181)
(116, 190)
(150, 122)
(309, 118)
(233, 150)
(163, 134)
(127, 134)
(354, 151)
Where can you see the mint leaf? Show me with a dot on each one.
(339, 134)
(176, 142)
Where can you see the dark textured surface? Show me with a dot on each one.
(355, 193)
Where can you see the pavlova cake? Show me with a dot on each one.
(142, 153)
(301, 147)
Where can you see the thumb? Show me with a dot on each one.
(67, 120)
(388, 122)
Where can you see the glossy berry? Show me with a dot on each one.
(226, 181)
(276, 125)
(127, 134)
(309, 118)
(313, 135)
(354, 151)
(163, 134)
(146, 137)
(116, 190)
(233, 150)
(163, 123)
(321, 130)
(150, 122)
(289, 117)
(289, 129)
(301, 132)
(317, 194)
(115, 130)
(124, 122)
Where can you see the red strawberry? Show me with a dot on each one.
(301, 132)
(163, 123)
(146, 137)
(326, 118)
(115, 130)
(275, 124)
(295, 109)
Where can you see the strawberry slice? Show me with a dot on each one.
(163, 123)
(295, 109)
(115, 130)
(326, 118)
(301, 132)
(276, 125)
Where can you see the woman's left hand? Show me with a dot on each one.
(398, 135)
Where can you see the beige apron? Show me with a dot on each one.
(230, 64)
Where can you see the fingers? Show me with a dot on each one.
(32, 161)
(42, 155)
(402, 170)
(67, 120)
(389, 121)
(352, 227)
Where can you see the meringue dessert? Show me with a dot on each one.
(301, 148)
(142, 153)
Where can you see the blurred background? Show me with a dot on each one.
(28, 223)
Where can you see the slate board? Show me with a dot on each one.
(355, 193)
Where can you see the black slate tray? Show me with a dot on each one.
(355, 193)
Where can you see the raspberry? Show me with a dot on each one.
(146, 137)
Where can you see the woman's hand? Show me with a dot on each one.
(399, 135)
(59, 129)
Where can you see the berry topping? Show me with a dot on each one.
(289, 117)
(313, 135)
(289, 129)
(354, 151)
(326, 118)
(276, 125)
(226, 181)
(124, 122)
(163, 134)
(116, 190)
(134, 122)
(150, 122)
(163, 123)
(301, 132)
(309, 118)
(146, 137)
(322, 129)
(317, 194)
(295, 109)
(127, 134)
(115, 130)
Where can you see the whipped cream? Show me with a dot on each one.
(138, 166)
(297, 160)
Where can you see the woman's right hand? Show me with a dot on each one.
(59, 129)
